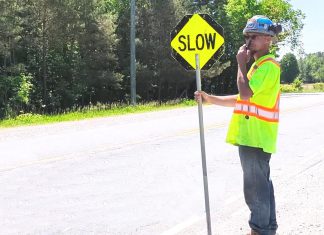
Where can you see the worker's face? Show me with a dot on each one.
(256, 42)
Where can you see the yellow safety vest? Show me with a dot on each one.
(255, 121)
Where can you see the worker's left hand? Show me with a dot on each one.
(243, 55)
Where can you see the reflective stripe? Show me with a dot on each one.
(258, 111)
(275, 108)
(251, 109)
(256, 66)
(268, 59)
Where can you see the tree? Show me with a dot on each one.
(312, 67)
(289, 68)
(77, 51)
(232, 15)
(14, 94)
(280, 11)
(159, 77)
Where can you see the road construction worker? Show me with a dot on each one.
(254, 123)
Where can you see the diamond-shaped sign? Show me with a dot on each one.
(197, 34)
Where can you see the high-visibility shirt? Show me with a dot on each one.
(255, 121)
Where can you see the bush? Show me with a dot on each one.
(287, 88)
(14, 94)
(319, 87)
(297, 84)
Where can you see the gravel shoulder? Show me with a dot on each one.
(300, 207)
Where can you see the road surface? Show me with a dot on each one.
(141, 174)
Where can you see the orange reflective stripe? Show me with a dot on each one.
(249, 75)
(275, 108)
(245, 107)
(257, 116)
(264, 113)
(252, 110)
(270, 60)
(256, 66)
(257, 105)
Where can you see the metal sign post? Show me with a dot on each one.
(202, 145)
(197, 42)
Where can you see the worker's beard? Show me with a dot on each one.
(252, 52)
(248, 47)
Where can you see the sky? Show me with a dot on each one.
(313, 31)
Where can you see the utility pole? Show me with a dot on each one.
(132, 57)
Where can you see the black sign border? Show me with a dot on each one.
(216, 55)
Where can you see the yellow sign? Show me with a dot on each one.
(197, 34)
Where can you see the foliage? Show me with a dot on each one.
(68, 47)
(318, 87)
(312, 67)
(280, 11)
(286, 88)
(313, 87)
(14, 94)
(289, 68)
(297, 84)
(56, 55)
(98, 110)
(234, 17)
(299, 87)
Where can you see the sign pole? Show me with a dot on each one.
(202, 145)
(196, 42)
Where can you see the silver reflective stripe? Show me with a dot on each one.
(258, 112)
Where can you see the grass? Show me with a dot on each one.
(302, 88)
(102, 110)
(316, 87)
(93, 112)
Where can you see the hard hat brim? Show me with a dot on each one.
(269, 33)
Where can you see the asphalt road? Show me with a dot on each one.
(141, 174)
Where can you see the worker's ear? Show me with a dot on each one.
(268, 40)
(274, 40)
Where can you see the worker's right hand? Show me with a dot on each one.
(201, 95)
(243, 55)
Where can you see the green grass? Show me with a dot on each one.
(101, 110)
(316, 87)
(306, 88)
(93, 112)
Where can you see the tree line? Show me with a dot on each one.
(61, 54)
(308, 68)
